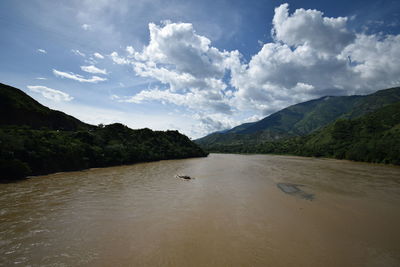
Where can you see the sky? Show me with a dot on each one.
(195, 66)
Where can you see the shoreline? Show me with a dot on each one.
(7, 181)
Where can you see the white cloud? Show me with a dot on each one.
(40, 78)
(98, 55)
(310, 56)
(314, 56)
(213, 122)
(78, 77)
(86, 27)
(50, 93)
(93, 69)
(208, 123)
(119, 60)
(326, 35)
(192, 69)
(42, 51)
(78, 53)
(177, 49)
(374, 61)
(195, 100)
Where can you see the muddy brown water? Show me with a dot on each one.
(232, 214)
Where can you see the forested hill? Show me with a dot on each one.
(301, 119)
(37, 140)
(374, 137)
(17, 108)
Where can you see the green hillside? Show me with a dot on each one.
(301, 119)
(374, 137)
(37, 140)
(17, 108)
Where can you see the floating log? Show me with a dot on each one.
(184, 177)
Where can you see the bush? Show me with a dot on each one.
(13, 169)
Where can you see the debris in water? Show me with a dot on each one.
(185, 177)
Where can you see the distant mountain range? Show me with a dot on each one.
(37, 140)
(300, 119)
(373, 137)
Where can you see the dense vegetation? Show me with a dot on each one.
(45, 151)
(33, 145)
(301, 119)
(374, 137)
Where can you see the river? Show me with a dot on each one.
(233, 213)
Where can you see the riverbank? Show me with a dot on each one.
(26, 151)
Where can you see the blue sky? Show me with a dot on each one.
(195, 66)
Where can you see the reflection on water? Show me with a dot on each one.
(295, 189)
(232, 214)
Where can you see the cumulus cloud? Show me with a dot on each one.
(93, 69)
(98, 55)
(50, 93)
(374, 60)
(77, 77)
(42, 51)
(326, 35)
(176, 50)
(192, 69)
(311, 55)
(119, 60)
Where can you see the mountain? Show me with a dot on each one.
(17, 108)
(374, 137)
(301, 119)
(37, 140)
